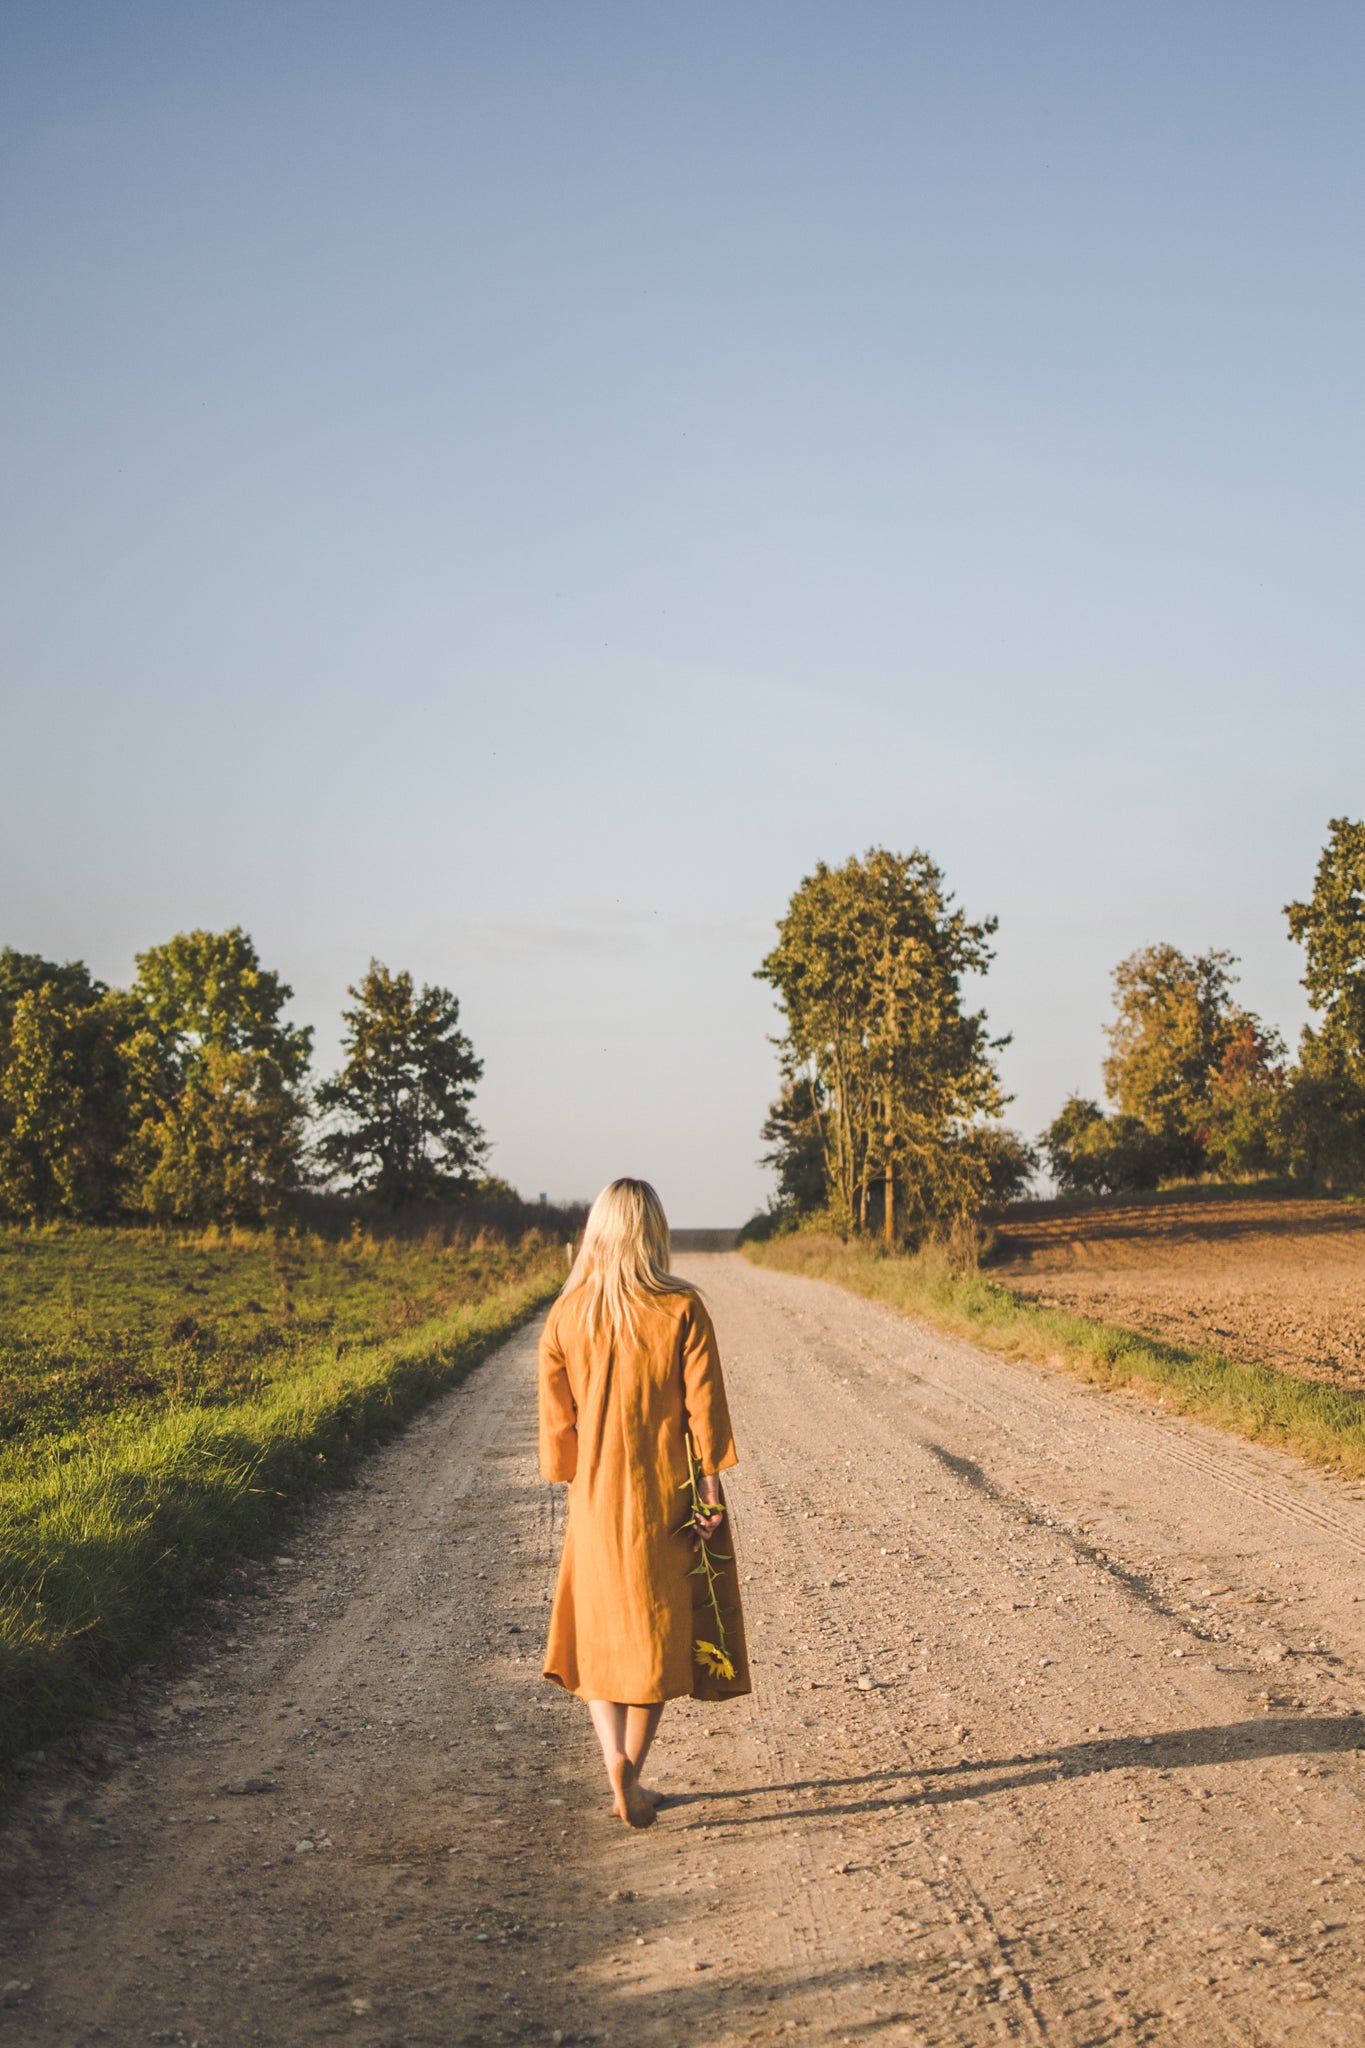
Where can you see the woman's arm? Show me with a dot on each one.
(558, 1410)
(708, 1412)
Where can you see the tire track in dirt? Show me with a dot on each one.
(1055, 1740)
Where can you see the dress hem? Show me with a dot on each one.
(732, 1692)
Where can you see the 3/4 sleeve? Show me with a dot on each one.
(708, 1413)
(558, 1411)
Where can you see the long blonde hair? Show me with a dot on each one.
(623, 1258)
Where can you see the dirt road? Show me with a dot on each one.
(1056, 1738)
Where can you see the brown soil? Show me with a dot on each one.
(1269, 1280)
(1056, 1738)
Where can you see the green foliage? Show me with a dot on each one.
(868, 969)
(1331, 929)
(402, 1126)
(1323, 1117)
(149, 1447)
(22, 973)
(1197, 1081)
(217, 1077)
(797, 1156)
(1246, 1128)
(1088, 1152)
(1009, 1160)
(63, 1096)
(1324, 1109)
(226, 1146)
(180, 1098)
(1174, 1025)
(206, 989)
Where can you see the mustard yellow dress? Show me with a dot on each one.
(615, 1412)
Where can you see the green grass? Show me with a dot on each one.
(1323, 1424)
(168, 1402)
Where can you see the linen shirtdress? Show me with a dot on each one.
(615, 1411)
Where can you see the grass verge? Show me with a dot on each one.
(1325, 1425)
(110, 1538)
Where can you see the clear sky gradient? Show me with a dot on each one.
(507, 487)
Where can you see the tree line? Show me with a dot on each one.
(187, 1095)
(889, 1115)
(1198, 1084)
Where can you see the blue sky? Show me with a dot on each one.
(506, 488)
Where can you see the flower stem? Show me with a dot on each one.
(699, 1506)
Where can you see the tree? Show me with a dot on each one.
(217, 1079)
(793, 1130)
(403, 1127)
(1331, 929)
(63, 1095)
(1090, 1153)
(228, 1145)
(209, 989)
(1174, 1025)
(868, 969)
(1324, 1118)
(1245, 1130)
(1324, 1111)
(1010, 1163)
(23, 973)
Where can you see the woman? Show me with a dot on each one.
(629, 1380)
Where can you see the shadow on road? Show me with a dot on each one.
(936, 1785)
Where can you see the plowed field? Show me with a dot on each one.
(1269, 1280)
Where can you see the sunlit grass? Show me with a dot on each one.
(168, 1402)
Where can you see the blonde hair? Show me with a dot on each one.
(623, 1258)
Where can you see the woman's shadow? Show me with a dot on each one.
(935, 1785)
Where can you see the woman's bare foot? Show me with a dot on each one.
(631, 1804)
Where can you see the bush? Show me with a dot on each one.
(1323, 1119)
(1245, 1133)
(1010, 1162)
(1090, 1153)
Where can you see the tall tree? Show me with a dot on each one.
(402, 1125)
(209, 988)
(218, 1078)
(793, 1131)
(63, 1095)
(1174, 1025)
(868, 970)
(1325, 1097)
(1331, 929)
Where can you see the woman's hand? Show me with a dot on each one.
(710, 1512)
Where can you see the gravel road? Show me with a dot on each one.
(1056, 1738)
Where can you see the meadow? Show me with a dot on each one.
(169, 1400)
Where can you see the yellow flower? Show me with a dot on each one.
(713, 1660)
